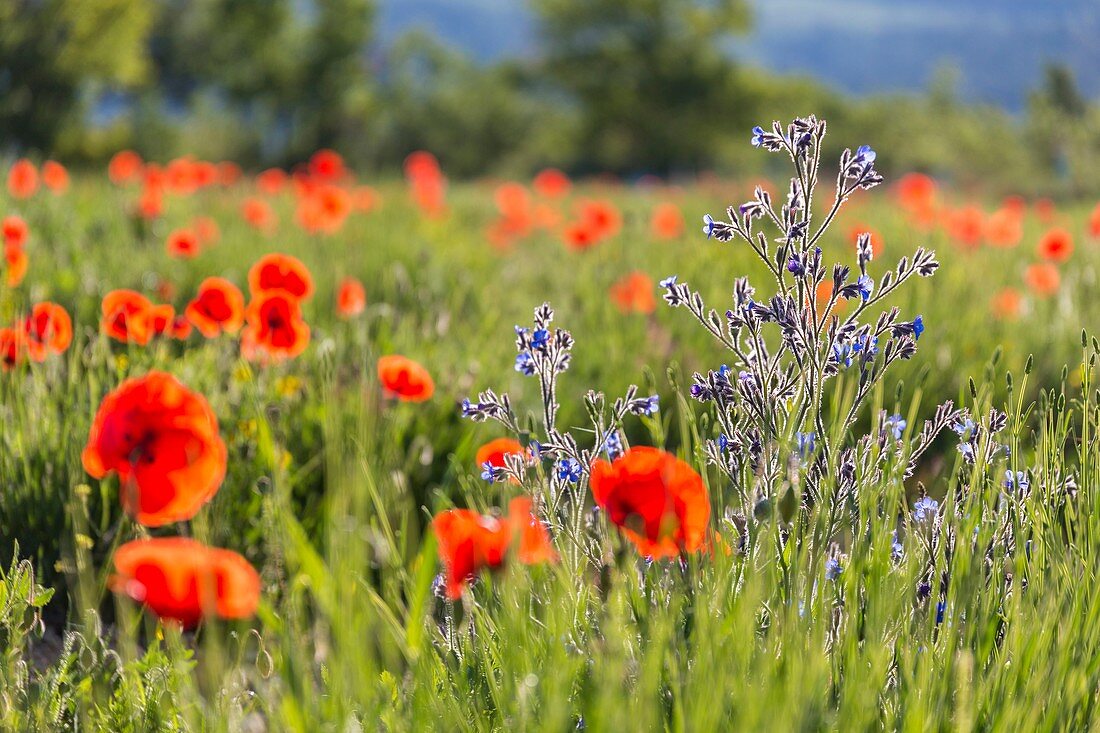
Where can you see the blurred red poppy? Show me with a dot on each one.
(127, 317)
(667, 221)
(579, 236)
(494, 452)
(551, 183)
(17, 264)
(184, 581)
(15, 231)
(470, 542)
(405, 379)
(162, 440)
(271, 181)
(324, 210)
(966, 225)
(49, 330)
(274, 327)
(12, 348)
(1043, 279)
(657, 500)
(1007, 304)
(327, 165)
(1004, 228)
(916, 191)
(183, 243)
(351, 298)
(55, 177)
(601, 217)
(281, 272)
(634, 294)
(206, 229)
(1056, 245)
(22, 179)
(162, 316)
(259, 215)
(217, 308)
(125, 166)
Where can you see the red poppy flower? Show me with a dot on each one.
(162, 317)
(259, 215)
(1043, 279)
(511, 199)
(1056, 245)
(422, 165)
(1094, 221)
(271, 181)
(916, 191)
(127, 317)
(162, 440)
(49, 330)
(494, 452)
(229, 173)
(125, 166)
(324, 209)
(1007, 304)
(1046, 210)
(966, 225)
(185, 581)
(183, 243)
(281, 272)
(55, 177)
(351, 298)
(1004, 228)
(327, 165)
(667, 221)
(579, 236)
(15, 231)
(22, 179)
(634, 294)
(365, 199)
(275, 329)
(470, 542)
(218, 307)
(551, 183)
(657, 500)
(17, 262)
(601, 217)
(405, 379)
(150, 204)
(12, 348)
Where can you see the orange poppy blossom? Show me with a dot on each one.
(579, 236)
(1046, 210)
(229, 173)
(966, 225)
(184, 581)
(259, 215)
(427, 183)
(324, 210)
(12, 348)
(15, 231)
(162, 440)
(22, 179)
(822, 293)
(634, 294)
(470, 542)
(1043, 278)
(351, 298)
(49, 330)
(667, 222)
(1007, 304)
(127, 317)
(916, 191)
(601, 217)
(17, 264)
(150, 205)
(271, 181)
(55, 177)
(217, 308)
(551, 183)
(657, 500)
(281, 272)
(125, 166)
(1004, 228)
(274, 328)
(365, 199)
(327, 165)
(1056, 245)
(183, 243)
(206, 229)
(494, 452)
(405, 379)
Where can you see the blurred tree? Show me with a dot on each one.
(53, 51)
(653, 78)
(1060, 91)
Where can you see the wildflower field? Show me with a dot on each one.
(294, 450)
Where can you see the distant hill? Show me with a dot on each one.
(860, 46)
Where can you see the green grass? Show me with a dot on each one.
(331, 488)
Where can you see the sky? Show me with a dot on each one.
(999, 47)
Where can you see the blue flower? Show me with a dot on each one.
(833, 569)
(525, 364)
(896, 425)
(708, 229)
(569, 470)
(967, 450)
(941, 608)
(864, 154)
(540, 338)
(918, 327)
(757, 136)
(723, 442)
(724, 371)
(490, 473)
(668, 282)
(897, 551)
(964, 428)
(806, 444)
(652, 405)
(925, 508)
(794, 266)
(866, 286)
(469, 409)
(1017, 481)
(613, 445)
(842, 352)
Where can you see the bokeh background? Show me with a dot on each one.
(998, 93)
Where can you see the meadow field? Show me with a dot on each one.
(255, 502)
